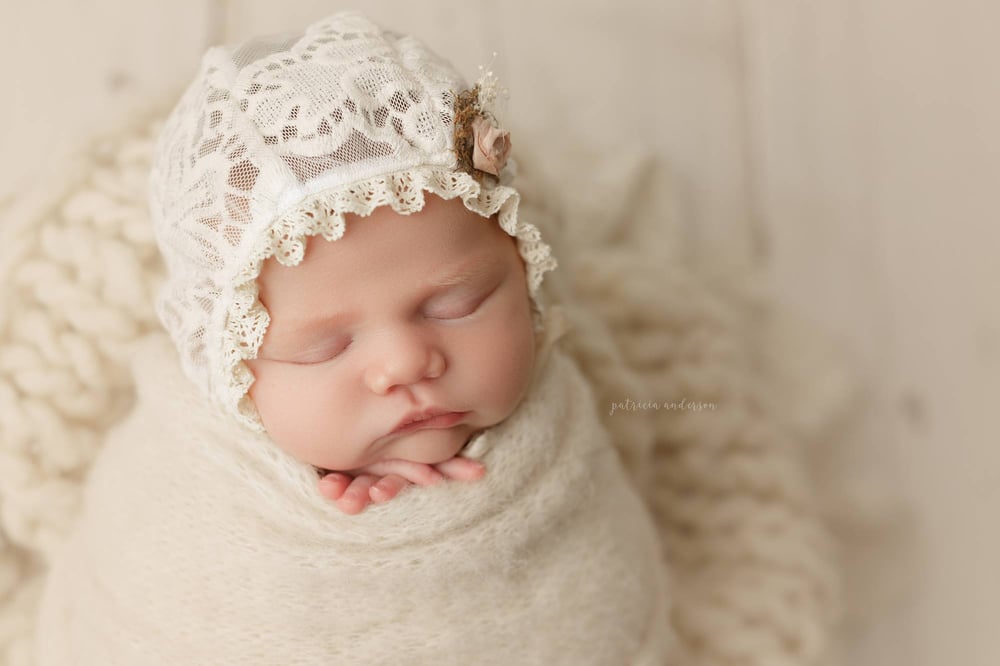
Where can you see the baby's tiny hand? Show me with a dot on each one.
(384, 480)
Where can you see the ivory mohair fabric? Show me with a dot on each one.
(754, 575)
(199, 544)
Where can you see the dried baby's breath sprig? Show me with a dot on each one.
(491, 94)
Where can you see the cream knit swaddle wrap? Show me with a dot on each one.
(200, 544)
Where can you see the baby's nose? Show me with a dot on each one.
(404, 359)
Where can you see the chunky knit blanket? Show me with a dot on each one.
(712, 440)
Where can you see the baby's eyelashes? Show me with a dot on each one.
(452, 310)
(458, 305)
(319, 352)
(324, 352)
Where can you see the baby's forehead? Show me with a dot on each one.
(440, 231)
(436, 247)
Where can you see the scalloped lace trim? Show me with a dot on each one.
(323, 214)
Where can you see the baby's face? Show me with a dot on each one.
(403, 317)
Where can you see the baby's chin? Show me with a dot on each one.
(429, 446)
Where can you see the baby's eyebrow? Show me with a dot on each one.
(469, 270)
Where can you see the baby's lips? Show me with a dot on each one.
(431, 418)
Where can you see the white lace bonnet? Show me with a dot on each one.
(274, 141)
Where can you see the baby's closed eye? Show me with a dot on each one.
(453, 303)
(458, 303)
(320, 351)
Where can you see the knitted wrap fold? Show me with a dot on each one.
(277, 140)
(550, 558)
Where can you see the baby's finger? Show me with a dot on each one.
(461, 469)
(333, 485)
(356, 497)
(421, 474)
(387, 487)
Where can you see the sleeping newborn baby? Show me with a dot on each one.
(356, 307)
(426, 339)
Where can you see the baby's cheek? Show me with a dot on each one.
(274, 405)
(505, 355)
(292, 410)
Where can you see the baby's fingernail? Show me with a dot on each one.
(348, 507)
(475, 467)
(379, 494)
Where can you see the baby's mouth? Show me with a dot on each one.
(431, 418)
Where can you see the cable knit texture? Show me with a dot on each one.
(752, 569)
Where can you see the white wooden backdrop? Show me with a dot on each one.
(848, 147)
